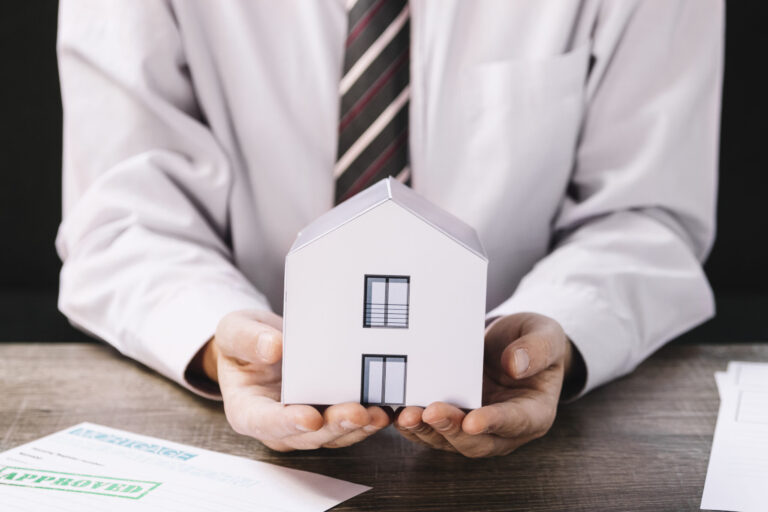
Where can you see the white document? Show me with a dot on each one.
(92, 467)
(737, 477)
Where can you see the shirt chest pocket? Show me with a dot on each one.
(524, 117)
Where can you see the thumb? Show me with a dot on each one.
(241, 336)
(540, 347)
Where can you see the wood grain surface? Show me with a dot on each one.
(640, 443)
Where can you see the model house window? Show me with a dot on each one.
(383, 379)
(386, 301)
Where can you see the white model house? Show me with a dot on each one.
(385, 304)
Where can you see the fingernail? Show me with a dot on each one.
(443, 424)
(348, 425)
(302, 428)
(522, 361)
(264, 346)
(370, 428)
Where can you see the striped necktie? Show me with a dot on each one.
(373, 122)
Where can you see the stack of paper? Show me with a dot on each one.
(92, 467)
(737, 477)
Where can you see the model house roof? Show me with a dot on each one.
(390, 189)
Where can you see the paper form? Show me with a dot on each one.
(737, 476)
(92, 467)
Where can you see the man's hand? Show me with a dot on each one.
(526, 358)
(245, 358)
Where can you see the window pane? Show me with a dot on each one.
(398, 291)
(394, 392)
(397, 310)
(375, 297)
(374, 367)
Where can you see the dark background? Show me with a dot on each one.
(30, 179)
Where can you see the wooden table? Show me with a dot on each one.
(641, 443)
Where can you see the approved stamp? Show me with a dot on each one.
(75, 482)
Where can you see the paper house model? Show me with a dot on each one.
(385, 304)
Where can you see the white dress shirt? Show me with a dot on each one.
(579, 138)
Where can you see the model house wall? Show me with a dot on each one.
(432, 349)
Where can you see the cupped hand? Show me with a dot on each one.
(526, 358)
(245, 358)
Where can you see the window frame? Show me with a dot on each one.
(387, 277)
(384, 358)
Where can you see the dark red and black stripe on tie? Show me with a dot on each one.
(375, 92)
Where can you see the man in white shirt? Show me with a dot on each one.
(579, 138)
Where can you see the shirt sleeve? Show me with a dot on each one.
(146, 190)
(624, 275)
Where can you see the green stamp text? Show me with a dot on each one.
(74, 482)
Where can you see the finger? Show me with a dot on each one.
(239, 335)
(343, 417)
(261, 379)
(412, 420)
(252, 408)
(534, 352)
(409, 423)
(338, 420)
(265, 419)
(443, 418)
(527, 417)
(409, 417)
(447, 421)
(411, 437)
(379, 420)
(404, 431)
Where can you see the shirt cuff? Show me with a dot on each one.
(603, 338)
(178, 328)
